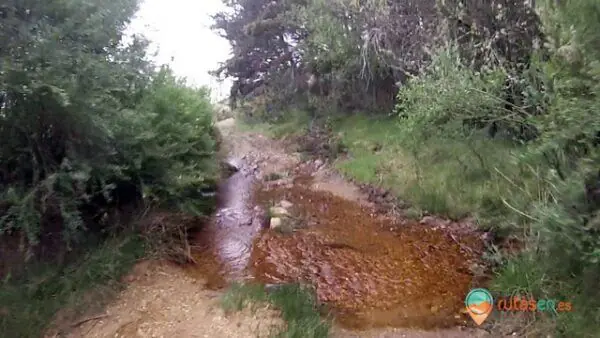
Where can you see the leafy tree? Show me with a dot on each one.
(358, 52)
(262, 40)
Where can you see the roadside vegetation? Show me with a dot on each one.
(462, 108)
(95, 140)
(297, 305)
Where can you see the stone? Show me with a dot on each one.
(286, 204)
(229, 167)
(261, 217)
(285, 228)
(275, 222)
(278, 211)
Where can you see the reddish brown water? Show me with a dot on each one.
(369, 274)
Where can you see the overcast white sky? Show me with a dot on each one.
(180, 29)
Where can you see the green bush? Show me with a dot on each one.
(167, 141)
(544, 189)
(568, 239)
(460, 167)
(89, 128)
(454, 94)
(88, 124)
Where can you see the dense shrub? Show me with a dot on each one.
(455, 94)
(551, 194)
(168, 143)
(88, 124)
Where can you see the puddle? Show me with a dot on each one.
(369, 273)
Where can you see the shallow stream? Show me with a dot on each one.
(369, 272)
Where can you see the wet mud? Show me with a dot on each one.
(369, 272)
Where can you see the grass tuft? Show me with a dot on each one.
(297, 304)
(297, 123)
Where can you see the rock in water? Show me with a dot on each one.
(275, 222)
(229, 167)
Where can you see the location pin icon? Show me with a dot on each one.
(479, 318)
(479, 303)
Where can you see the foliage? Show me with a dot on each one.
(346, 55)
(493, 33)
(91, 132)
(168, 141)
(456, 95)
(90, 126)
(551, 193)
(28, 305)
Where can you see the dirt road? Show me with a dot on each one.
(164, 300)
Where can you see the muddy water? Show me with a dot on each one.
(369, 273)
(222, 249)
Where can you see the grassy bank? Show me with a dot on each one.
(295, 123)
(445, 177)
(298, 307)
(482, 178)
(29, 304)
(493, 180)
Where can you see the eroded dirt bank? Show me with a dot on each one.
(372, 269)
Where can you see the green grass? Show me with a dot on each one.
(29, 306)
(527, 275)
(298, 307)
(296, 123)
(446, 177)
